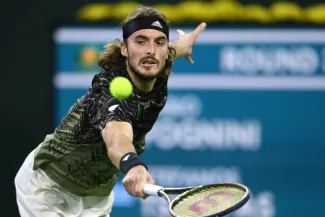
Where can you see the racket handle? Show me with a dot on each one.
(151, 189)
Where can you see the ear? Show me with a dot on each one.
(124, 51)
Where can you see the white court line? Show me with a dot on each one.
(108, 34)
(210, 82)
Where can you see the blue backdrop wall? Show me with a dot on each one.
(250, 110)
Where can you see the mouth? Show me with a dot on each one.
(148, 63)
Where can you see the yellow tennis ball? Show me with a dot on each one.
(120, 87)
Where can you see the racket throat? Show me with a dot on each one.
(164, 195)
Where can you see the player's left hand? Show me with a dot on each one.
(186, 41)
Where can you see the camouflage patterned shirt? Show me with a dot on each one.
(75, 155)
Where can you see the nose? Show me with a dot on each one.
(151, 49)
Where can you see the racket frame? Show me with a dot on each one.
(163, 192)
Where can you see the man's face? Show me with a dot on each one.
(146, 53)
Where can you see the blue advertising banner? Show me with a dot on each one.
(250, 110)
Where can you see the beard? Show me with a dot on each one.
(140, 75)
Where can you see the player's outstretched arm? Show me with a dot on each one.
(118, 137)
(184, 44)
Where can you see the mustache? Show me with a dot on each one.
(149, 58)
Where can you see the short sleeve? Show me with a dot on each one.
(102, 107)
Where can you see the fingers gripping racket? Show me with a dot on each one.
(205, 201)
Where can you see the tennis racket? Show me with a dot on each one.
(213, 200)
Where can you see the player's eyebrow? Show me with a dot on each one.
(161, 38)
(146, 38)
(141, 37)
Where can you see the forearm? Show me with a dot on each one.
(117, 147)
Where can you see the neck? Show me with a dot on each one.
(141, 84)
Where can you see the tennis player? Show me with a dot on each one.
(73, 171)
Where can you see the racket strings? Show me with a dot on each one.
(207, 201)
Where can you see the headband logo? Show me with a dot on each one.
(156, 23)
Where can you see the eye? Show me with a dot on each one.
(161, 42)
(140, 41)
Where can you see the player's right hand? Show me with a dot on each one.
(135, 179)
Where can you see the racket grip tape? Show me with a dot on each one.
(151, 189)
